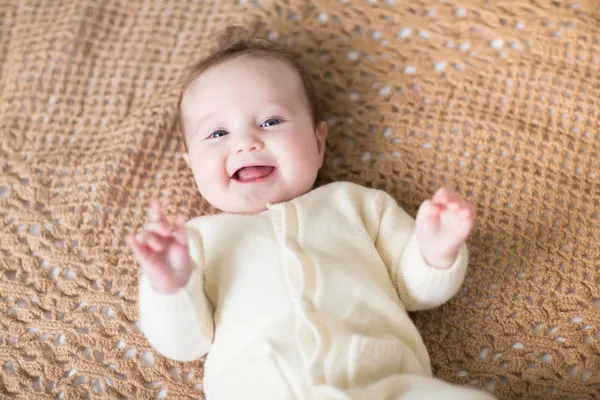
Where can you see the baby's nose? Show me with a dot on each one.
(248, 143)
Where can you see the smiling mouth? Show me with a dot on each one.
(256, 173)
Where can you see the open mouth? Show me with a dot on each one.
(255, 173)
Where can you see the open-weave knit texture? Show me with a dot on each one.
(499, 100)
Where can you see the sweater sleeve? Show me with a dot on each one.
(179, 326)
(419, 285)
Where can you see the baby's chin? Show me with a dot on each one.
(233, 204)
(239, 204)
(244, 208)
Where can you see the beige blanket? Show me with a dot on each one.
(499, 100)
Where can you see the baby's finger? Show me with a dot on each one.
(130, 240)
(180, 220)
(451, 219)
(466, 213)
(141, 237)
(428, 216)
(445, 196)
(156, 242)
(428, 208)
(141, 252)
(180, 235)
(440, 197)
(453, 206)
(460, 222)
(471, 207)
(155, 214)
(464, 225)
(464, 208)
(159, 228)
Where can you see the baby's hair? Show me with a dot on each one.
(236, 41)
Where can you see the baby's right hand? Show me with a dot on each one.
(163, 252)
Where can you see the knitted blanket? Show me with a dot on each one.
(498, 100)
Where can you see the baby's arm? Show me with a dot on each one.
(175, 314)
(427, 259)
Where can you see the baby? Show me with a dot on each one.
(294, 292)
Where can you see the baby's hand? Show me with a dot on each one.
(442, 226)
(162, 251)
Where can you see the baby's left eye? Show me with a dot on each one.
(270, 122)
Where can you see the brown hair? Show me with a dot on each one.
(237, 41)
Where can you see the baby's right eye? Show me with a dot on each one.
(218, 133)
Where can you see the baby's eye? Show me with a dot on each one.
(270, 122)
(218, 133)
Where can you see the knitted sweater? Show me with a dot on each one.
(306, 298)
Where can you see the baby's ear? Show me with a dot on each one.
(321, 135)
(186, 158)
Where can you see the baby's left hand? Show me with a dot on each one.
(442, 226)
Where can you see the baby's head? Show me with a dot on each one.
(252, 126)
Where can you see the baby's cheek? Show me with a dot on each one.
(206, 170)
(306, 169)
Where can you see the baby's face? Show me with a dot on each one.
(250, 134)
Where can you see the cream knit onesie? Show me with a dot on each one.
(307, 300)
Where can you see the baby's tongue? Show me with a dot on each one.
(251, 173)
